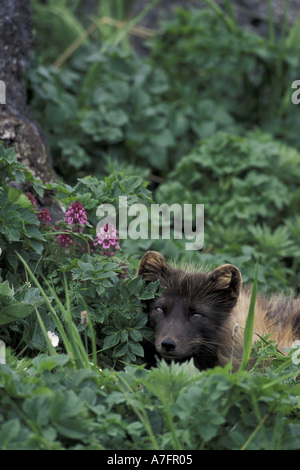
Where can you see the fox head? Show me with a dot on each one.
(190, 315)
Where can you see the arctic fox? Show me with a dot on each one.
(200, 315)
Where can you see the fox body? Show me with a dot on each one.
(202, 315)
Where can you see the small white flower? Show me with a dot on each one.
(53, 338)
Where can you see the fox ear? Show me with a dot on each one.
(153, 266)
(228, 280)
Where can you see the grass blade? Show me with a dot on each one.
(72, 341)
(55, 318)
(50, 347)
(248, 333)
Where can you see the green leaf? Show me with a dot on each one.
(136, 335)
(6, 292)
(117, 118)
(3, 197)
(37, 246)
(33, 232)
(11, 225)
(16, 196)
(28, 216)
(110, 341)
(136, 348)
(9, 433)
(14, 311)
(120, 350)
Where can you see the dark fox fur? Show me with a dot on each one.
(199, 313)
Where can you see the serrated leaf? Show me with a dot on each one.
(15, 196)
(136, 335)
(11, 225)
(124, 336)
(6, 292)
(110, 341)
(33, 232)
(136, 348)
(28, 216)
(85, 266)
(141, 321)
(36, 245)
(120, 350)
(108, 330)
(38, 187)
(3, 197)
(100, 290)
(10, 155)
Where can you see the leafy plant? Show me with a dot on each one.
(216, 59)
(75, 272)
(249, 188)
(47, 404)
(15, 306)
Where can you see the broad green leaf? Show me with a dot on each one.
(110, 341)
(14, 311)
(11, 225)
(136, 348)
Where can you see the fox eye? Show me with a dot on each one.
(196, 315)
(159, 310)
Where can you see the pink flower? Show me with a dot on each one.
(89, 247)
(44, 216)
(76, 214)
(107, 238)
(64, 239)
(124, 272)
(31, 198)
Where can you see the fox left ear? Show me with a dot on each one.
(153, 266)
(227, 278)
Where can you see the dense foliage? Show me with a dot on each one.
(70, 260)
(207, 119)
(175, 408)
(249, 186)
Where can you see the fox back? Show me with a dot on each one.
(202, 315)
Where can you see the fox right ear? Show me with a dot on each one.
(153, 266)
(227, 279)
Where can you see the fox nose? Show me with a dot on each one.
(168, 345)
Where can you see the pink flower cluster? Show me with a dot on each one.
(124, 272)
(64, 239)
(89, 247)
(43, 215)
(76, 215)
(31, 198)
(107, 238)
